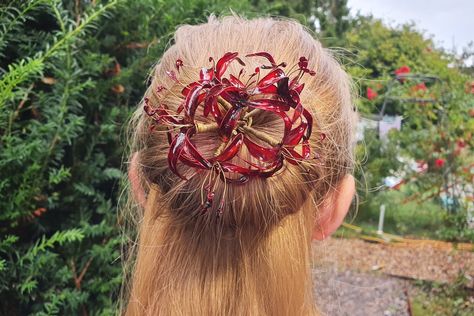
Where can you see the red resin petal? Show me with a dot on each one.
(206, 74)
(220, 89)
(265, 154)
(229, 122)
(223, 63)
(271, 78)
(192, 101)
(268, 169)
(208, 103)
(176, 148)
(297, 113)
(201, 98)
(265, 55)
(236, 82)
(234, 96)
(294, 96)
(268, 90)
(269, 105)
(190, 161)
(309, 120)
(180, 108)
(295, 135)
(231, 150)
(216, 112)
(230, 167)
(195, 154)
(189, 87)
(296, 157)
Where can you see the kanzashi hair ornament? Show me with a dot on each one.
(228, 105)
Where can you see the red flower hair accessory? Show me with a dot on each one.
(228, 106)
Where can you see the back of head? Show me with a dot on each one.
(254, 257)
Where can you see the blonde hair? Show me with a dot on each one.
(256, 258)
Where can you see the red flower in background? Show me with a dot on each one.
(403, 70)
(371, 94)
(400, 72)
(420, 87)
(461, 143)
(440, 162)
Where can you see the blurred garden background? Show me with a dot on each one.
(71, 72)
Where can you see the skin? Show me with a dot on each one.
(331, 215)
(335, 208)
(133, 177)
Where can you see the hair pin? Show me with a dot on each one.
(231, 104)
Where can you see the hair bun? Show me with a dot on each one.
(228, 105)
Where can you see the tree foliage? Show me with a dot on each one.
(436, 108)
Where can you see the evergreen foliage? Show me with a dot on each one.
(58, 206)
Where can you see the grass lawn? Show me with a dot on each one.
(431, 298)
(426, 220)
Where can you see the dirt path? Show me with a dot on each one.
(359, 294)
(421, 262)
(355, 277)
